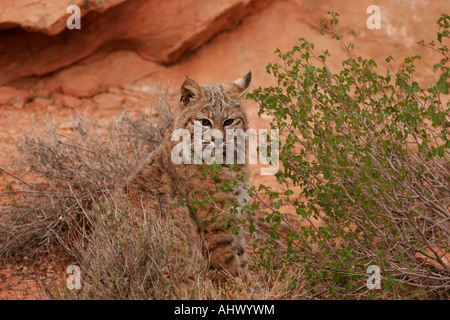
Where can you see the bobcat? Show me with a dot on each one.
(158, 182)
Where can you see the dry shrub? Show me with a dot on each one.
(127, 257)
(59, 174)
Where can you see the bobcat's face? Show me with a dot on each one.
(214, 113)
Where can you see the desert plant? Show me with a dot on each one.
(58, 175)
(126, 257)
(365, 154)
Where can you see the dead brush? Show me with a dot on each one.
(57, 174)
(126, 256)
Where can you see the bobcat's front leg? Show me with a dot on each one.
(225, 251)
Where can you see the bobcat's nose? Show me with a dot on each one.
(217, 141)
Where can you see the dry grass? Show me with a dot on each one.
(57, 175)
(125, 257)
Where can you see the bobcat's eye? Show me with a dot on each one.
(205, 122)
(228, 122)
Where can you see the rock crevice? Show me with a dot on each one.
(159, 31)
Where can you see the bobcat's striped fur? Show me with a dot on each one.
(158, 182)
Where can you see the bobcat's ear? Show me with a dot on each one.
(240, 86)
(190, 91)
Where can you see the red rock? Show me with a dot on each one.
(128, 66)
(42, 92)
(67, 101)
(46, 16)
(443, 255)
(82, 86)
(57, 98)
(52, 108)
(42, 103)
(205, 38)
(13, 96)
(71, 102)
(108, 100)
(134, 101)
(160, 31)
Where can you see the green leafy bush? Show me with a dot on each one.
(365, 154)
